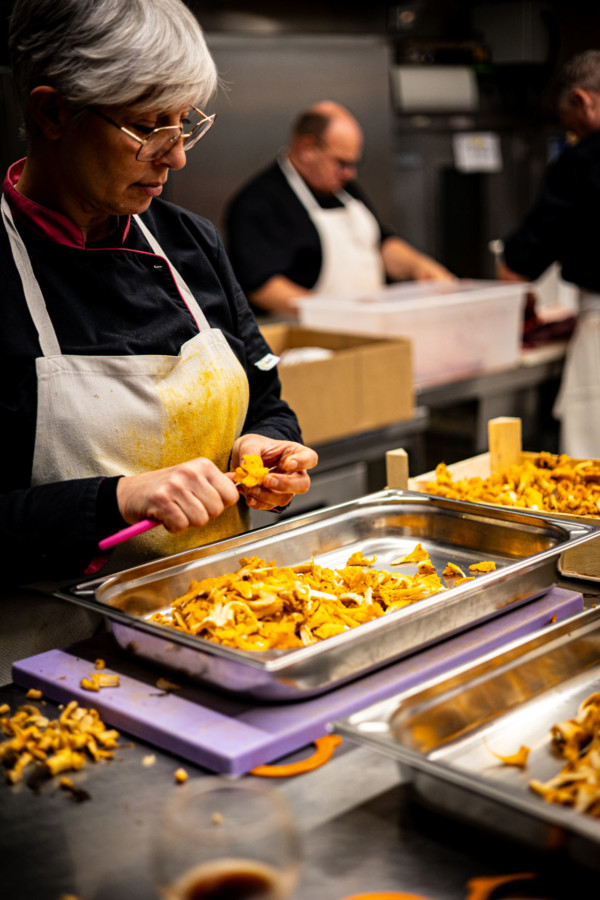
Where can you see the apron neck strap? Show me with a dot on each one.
(188, 297)
(33, 294)
(35, 300)
(301, 189)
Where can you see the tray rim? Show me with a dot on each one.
(412, 761)
(496, 511)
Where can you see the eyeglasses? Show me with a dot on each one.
(343, 164)
(160, 140)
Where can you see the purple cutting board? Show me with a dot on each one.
(231, 736)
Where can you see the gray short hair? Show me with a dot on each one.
(147, 53)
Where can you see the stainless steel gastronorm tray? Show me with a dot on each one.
(387, 524)
(444, 734)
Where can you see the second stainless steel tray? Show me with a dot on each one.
(524, 546)
(444, 735)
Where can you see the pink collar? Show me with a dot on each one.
(46, 222)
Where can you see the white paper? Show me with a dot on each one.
(477, 152)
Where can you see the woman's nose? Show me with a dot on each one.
(174, 158)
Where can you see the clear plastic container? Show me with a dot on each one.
(457, 329)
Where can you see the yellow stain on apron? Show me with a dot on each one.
(201, 415)
(204, 420)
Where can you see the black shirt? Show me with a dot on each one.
(269, 232)
(113, 300)
(564, 224)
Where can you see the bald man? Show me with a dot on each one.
(303, 225)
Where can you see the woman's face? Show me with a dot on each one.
(101, 176)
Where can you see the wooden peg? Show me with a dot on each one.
(504, 442)
(396, 465)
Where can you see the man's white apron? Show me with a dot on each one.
(349, 236)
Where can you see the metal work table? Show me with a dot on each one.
(507, 392)
(359, 830)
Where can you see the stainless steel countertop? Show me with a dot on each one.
(535, 367)
(360, 832)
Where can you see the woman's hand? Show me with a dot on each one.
(179, 497)
(289, 462)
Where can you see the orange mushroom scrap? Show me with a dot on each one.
(251, 472)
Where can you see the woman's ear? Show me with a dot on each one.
(48, 111)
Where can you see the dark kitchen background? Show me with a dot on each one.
(416, 75)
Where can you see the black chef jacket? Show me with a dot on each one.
(564, 224)
(269, 231)
(103, 301)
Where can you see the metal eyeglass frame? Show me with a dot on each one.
(189, 140)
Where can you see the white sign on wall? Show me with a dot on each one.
(477, 152)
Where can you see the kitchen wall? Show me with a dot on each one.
(276, 57)
(268, 80)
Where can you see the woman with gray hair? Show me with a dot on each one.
(135, 376)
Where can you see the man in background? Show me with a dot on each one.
(563, 226)
(303, 225)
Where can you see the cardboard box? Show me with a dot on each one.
(365, 385)
(504, 436)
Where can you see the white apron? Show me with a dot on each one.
(123, 415)
(578, 401)
(350, 240)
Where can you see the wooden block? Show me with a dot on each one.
(582, 561)
(504, 441)
(396, 464)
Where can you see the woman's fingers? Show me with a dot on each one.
(179, 497)
(286, 456)
(277, 490)
(288, 462)
(296, 483)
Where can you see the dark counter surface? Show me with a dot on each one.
(359, 828)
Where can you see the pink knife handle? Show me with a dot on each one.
(126, 533)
